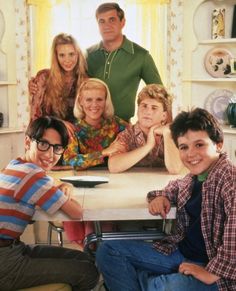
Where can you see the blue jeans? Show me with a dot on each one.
(130, 265)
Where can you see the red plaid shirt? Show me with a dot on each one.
(133, 137)
(218, 219)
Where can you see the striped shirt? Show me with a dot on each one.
(218, 219)
(23, 186)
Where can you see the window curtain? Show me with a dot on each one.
(50, 17)
(153, 30)
(40, 33)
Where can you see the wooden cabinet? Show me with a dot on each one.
(230, 143)
(11, 136)
(201, 88)
(8, 101)
(11, 146)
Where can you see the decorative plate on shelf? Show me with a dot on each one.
(85, 181)
(217, 62)
(217, 102)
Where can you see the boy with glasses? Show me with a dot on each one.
(24, 185)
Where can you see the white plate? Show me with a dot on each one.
(217, 102)
(85, 181)
(217, 62)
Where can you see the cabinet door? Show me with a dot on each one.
(11, 147)
(18, 147)
(230, 146)
(233, 149)
(8, 99)
(5, 150)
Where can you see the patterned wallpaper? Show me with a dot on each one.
(22, 57)
(175, 16)
(175, 53)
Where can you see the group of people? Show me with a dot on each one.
(80, 116)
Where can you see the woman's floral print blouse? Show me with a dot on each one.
(85, 148)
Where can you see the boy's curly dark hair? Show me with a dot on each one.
(196, 119)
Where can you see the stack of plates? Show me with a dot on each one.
(217, 102)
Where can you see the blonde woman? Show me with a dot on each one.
(95, 129)
(96, 126)
(54, 90)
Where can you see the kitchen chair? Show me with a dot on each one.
(49, 287)
(58, 227)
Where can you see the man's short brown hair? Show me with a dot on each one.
(110, 6)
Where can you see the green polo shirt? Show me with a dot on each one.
(122, 71)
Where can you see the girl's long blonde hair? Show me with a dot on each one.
(89, 84)
(56, 93)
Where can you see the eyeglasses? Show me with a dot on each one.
(43, 146)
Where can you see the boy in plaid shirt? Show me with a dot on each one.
(200, 254)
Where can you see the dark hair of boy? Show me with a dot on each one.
(37, 128)
(197, 119)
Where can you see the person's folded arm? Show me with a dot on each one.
(71, 207)
(122, 161)
(171, 154)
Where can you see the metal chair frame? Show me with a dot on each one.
(59, 230)
(99, 236)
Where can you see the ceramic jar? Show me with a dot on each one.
(231, 113)
(218, 23)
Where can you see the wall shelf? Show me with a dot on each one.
(233, 79)
(229, 129)
(8, 83)
(198, 84)
(218, 41)
(4, 130)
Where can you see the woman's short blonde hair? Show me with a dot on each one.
(159, 93)
(89, 84)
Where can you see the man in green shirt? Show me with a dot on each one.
(119, 62)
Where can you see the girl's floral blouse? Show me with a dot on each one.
(85, 147)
